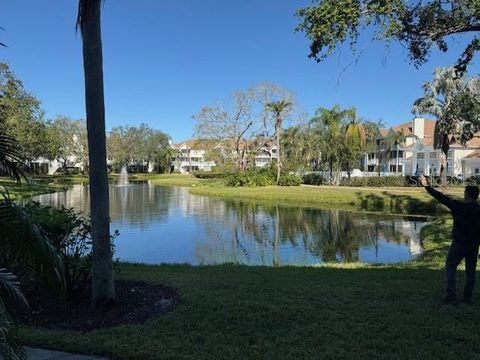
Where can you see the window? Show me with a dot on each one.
(477, 171)
(420, 156)
(433, 155)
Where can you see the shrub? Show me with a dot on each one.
(251, 178)
(209, 174)
(375, 181)
(70, 233)
(289, 180)
(314, 179)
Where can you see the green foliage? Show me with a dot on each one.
(70, 233)
(26, 251)
(314, 179)
(251, 178)
(289, 180)
(210, 174)
(21, 115)
(11, 298)
(375, 181)
(129, 145)
(418, 24)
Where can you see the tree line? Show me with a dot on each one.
(65, 139)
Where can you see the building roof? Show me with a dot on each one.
(473, 155)
(407, 128)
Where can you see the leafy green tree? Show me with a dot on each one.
(355, 139)
(419, 25)
(61, 141)
(103, 289)
(329, 123)
(279, 109)
(393, 141)
(446, 97)
(21, 115)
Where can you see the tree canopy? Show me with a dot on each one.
(420, 25)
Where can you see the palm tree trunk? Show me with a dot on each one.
(103, 291)
(443, 167)
(279, 162)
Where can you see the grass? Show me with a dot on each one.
(354, 311)
(329, 312)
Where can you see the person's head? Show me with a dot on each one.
(471, 193)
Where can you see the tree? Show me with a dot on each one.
(61, 141)
(446, 97)
(243, 122)
(329, 123)
(418, 24)
(103, 291)
(393, 141)
(279, 109)
(21, 115)
(355, 138)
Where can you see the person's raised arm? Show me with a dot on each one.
(445, 200)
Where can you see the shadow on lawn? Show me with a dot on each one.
(399, 204)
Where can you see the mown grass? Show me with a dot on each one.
(333, 311)
(327, 312)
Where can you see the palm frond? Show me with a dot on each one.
(23, 244)
(10, 296)
(10, 157)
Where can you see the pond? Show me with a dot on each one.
(169, 225)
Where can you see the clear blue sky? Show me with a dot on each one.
(165, 59)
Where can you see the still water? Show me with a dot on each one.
(169, 225)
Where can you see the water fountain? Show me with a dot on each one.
(123, 180)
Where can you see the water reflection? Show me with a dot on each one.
(167, 224)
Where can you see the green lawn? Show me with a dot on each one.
(353, 311)
(329, 312)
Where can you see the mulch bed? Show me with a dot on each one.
(136, 302)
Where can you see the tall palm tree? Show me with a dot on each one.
(355, 137)
(279, 109)
(88, 20)
(441, 99)
(328, 122)
(393, 141)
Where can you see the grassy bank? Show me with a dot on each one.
(390, 200)
(328, 312)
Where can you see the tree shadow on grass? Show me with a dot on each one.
(396, 203)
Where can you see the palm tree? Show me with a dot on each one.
(279, 109)
(88, 20)
(441, 99)
(355, 137)
(328, 123)
(393, 141)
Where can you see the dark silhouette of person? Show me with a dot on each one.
(465, 239)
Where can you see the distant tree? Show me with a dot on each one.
(393, 141)
(329, 122)
(450, 98)
(242, 122)
(88, 20)
(418, 24)
(355, 139)
(21, 115)
(279, 109)
(60, 140)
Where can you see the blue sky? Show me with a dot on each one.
(165, 59)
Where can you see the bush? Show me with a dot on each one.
(209, 174)
(375, 181)
(289, 180)
(314, 179)
(70, 233)
(251, 178)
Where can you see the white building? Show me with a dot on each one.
(417, 155)
(190, 155)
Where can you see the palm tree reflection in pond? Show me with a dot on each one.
(275, 235)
